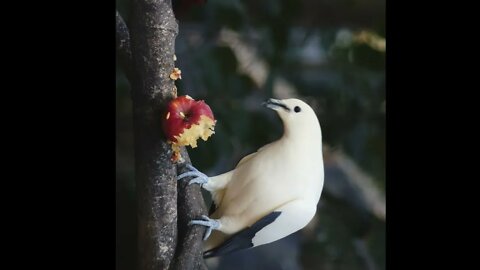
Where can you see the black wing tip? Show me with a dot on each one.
(222, 251)
(264, 221)
(242, 239)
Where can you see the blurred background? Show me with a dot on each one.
(235, 54)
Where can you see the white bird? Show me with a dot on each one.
(271, 193)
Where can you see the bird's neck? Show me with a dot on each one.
(302, 143)
(304, 138)
(306, 148)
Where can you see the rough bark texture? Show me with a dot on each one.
(146, 56)
(189, 254)
(153, 33)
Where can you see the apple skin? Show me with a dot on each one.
(181, 115)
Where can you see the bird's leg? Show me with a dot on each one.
(200, 178)
(211, 224)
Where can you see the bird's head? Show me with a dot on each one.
(297, 116)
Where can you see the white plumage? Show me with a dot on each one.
(285, 176)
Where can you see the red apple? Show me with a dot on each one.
(186, 120)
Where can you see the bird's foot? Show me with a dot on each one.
(211, 224)
(200, 178)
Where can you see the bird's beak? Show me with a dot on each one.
(275, 104)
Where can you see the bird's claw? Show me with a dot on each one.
(211, 225)
(200, 178)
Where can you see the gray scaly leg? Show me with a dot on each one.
(211, 224)
(200, 178)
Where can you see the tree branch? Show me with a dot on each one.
(124, 52)
(153, 33)
(189, 254)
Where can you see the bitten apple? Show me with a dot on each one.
(186, 120)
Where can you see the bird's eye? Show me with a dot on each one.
(297, 109)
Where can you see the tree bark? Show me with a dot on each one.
(146, 56)
(191, 205)
(153, 34)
